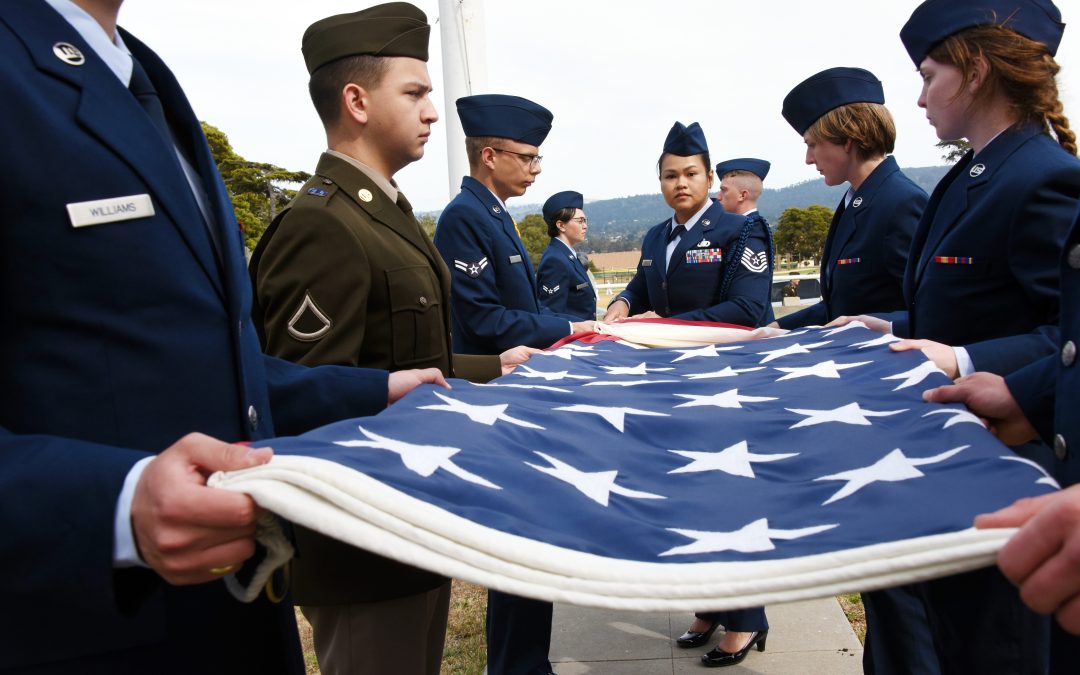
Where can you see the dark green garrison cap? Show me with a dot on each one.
(390, 29)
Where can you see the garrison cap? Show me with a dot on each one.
(935, 20)
(561, 200)
(503, 116)
(832, 88)
(758, 167)
(390, 29)
(685, 141)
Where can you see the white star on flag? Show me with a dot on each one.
(892, 468)
(883, 340)
(639, 369)
(708, 351)
(735, 460)
(420, 459)
(959, 416)
(915, 375)
(752, 538)
(567, 352)
(1046, 479)
(525, 371)
(626, 383)
(596, 485)
(614, 416)
(725, 399)
(840, 329)
(728, 371)
(484, 414)
(828, 369)
(852, 413)
(796, 348)
(542, 387)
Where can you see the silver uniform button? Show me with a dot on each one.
(253, 417)
(1060, 449)
(1074, 257)
(1068, 353)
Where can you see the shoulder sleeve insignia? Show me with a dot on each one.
(308, 322)
(472, 269)
(755, 262)
(551, 291)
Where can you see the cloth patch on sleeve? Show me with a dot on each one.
(755, 262)
(472, 269)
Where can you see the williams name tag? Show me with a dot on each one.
(98, 212)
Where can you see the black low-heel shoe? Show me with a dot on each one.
(692, 638)
(718, 658)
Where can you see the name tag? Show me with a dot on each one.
(582, 286)
(646, 263)
(515, 259)
(100, 211)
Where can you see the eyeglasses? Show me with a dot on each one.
(580, 219)
(534, 160)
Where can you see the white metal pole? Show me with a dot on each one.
(464, 73)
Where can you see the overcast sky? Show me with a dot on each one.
(615, 73)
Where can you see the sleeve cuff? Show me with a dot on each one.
(964, 366)
(125, 553)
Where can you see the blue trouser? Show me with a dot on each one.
(738, 620)
(898, 637)
(518, 635)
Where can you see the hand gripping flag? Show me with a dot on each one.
(666, 479)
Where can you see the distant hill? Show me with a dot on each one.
(619, 224)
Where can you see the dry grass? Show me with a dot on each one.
(465, 651)
(852, 605)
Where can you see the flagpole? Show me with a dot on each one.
(464, 73)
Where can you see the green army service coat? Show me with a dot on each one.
(346, 276)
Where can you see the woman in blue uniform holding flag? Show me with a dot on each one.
(981, 284)
(702, 264)
(562, 282)
(849, 135)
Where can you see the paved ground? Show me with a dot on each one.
(806, 638)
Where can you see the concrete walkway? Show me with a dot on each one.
(805, 638)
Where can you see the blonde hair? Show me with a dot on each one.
(1020, 68)
(746, 180)
(868, 125)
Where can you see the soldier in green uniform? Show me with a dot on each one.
(345, 275)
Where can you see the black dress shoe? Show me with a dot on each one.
(692, 638)
(718, 658)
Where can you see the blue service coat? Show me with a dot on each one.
(982, 271)
(563, 284)
(691, 286)
(866, 249)
(1048, 390)
(118, 339)
(493, 298)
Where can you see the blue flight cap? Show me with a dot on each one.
(935, 20)
(758, 167)
(685, 141)
(832, 88)
(504, 116)
(567, 199)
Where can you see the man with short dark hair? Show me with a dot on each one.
(346, 275)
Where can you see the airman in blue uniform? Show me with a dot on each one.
(494, 302)
(849, 136)
(702, 264)
(562, 280)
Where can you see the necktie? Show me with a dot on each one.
(675, 233)
(145, 93)
(404, 204)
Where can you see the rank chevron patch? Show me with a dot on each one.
(755, 262)
(472, 269)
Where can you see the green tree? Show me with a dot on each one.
(800, 233)
(954, 150)
(427, 224)
(534, 235)
(258, 190)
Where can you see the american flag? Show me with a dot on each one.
(708, 477)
